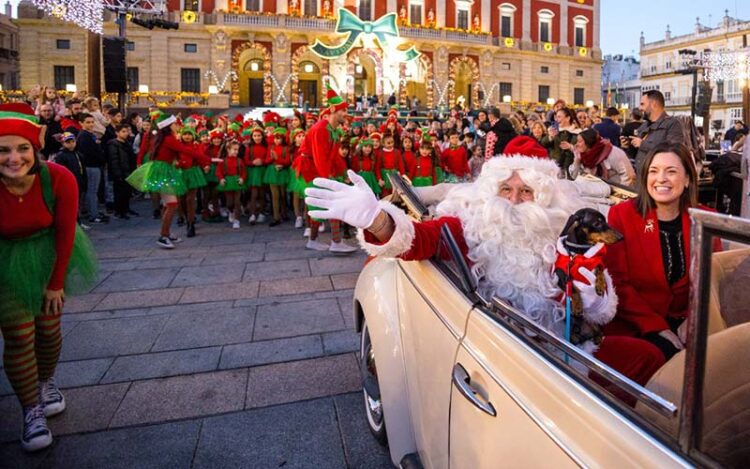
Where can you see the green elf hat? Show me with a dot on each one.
(356, 124)
(354, 141)
(426, 137)
(163, 120)
(247, 133)
(19, 119)
(335, 103)
(296, 132)
(279, 132)
(203, 132)
(365, 142)
(188, 130)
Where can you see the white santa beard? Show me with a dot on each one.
(512, 248)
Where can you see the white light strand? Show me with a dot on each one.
(221, 84)
(88, 14)
(488, 94)
(280, 98)
(442, 92)
(725, 66)
(330, 79)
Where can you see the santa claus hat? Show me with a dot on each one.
(526, 146)
(335, 103)
(216, 133)
(19, 119)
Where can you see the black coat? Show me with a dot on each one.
(119, 159)
(93, 156)
(73, 161)
(51, 145)
(505, 133)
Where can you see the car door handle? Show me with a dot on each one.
(462, 381)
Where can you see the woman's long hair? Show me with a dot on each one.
(689, 197)
(160, 136)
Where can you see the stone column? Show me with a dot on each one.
(486, 15)
(564, 25)
(526, 20)
(440, 13)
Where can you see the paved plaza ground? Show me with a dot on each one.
(237, 349)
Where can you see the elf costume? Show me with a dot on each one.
(42, 250)
(364, 165)
(253, 152)
(278, 155)
(388, 162)
(231, 170)
(189, 165)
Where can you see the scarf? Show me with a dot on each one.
(595, 156)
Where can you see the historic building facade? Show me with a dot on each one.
(621, 81)
(9, 78)
(663, 69)
(262, 52)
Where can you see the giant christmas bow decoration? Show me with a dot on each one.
(383, 28)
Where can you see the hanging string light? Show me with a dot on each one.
(87, 14)
(725, 65)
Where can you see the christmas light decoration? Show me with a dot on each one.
(488, 94)
(442, 92)
(280, 98)
(87, 14)
(725, 66)
(221, 84)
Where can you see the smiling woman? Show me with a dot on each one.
(656, 226)
(44, 256)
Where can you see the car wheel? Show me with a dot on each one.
(371, 388)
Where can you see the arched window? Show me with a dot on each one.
(365, 10)
(308, 67)
(507, 14)
(255, 65)
(416, 11)
(579, 25)
(463, 14)
(545, 25)
(191, 5)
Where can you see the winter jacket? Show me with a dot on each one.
(93, 156)
(120, 158)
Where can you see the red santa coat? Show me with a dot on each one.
(645, 297)
(411, 241)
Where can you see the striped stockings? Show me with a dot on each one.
(31, 353)
(335, 228)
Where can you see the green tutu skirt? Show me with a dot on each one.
(146, 157)
(158, 176)
(310, 184)
(384, 174)
(211, 175)
(193, 177)
(371, 181)
(422, 181)
(297, 184)
(26, 269)
(255, 175)
(232, 183)
(276, 177)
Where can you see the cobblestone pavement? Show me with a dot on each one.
(237, 349)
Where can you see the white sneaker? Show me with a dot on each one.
(236, 225)
(165, 242)
(306, 233)
(342, 247)
(231, 218)
(261, 218)
(299, 223)
(211, 207)
(175, 239)
(252, 219)
(224, 212)
(36, 434)
(316, 245)
(51, 398)
(322, 228)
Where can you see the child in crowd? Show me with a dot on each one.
(456, 159)
(363, 163)
(190, 168)
(389, 161)
(210, 192)
(256, 161)
(231, 174)
(277, 175)
(423, 171)
(477, 161)
(71, 159)
(297, 185)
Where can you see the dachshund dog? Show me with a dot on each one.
(582, 244)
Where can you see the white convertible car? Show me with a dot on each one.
(452, 380)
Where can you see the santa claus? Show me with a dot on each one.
(507, 224)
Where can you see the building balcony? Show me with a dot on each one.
(420, 33)
(652, 71)
(8, 54)
(679, 101)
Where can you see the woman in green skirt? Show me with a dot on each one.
(190, 168)
(44, 256)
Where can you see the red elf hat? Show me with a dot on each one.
(19, 119)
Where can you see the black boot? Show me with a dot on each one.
(191, 230)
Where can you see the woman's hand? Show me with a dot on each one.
(279, 167)
(593, 304)
(241, 181)
(257, 162)
(53, 302)
(552, 132)
(223, 182)
(381, 183)
(355, 205)
(566, 145)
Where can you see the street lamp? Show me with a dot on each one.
(71, 88)
(506, 98)
(143, 89)
(688, 57)
(589, 103)
(213, 89)
(551, 101)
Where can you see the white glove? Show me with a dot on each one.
(355, 205)
(593, 304)
(672, 337)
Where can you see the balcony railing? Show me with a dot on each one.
(679, 101)
(420, 33)
(8, 53)
(270, 21)
(462, 36)
(315, 24)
